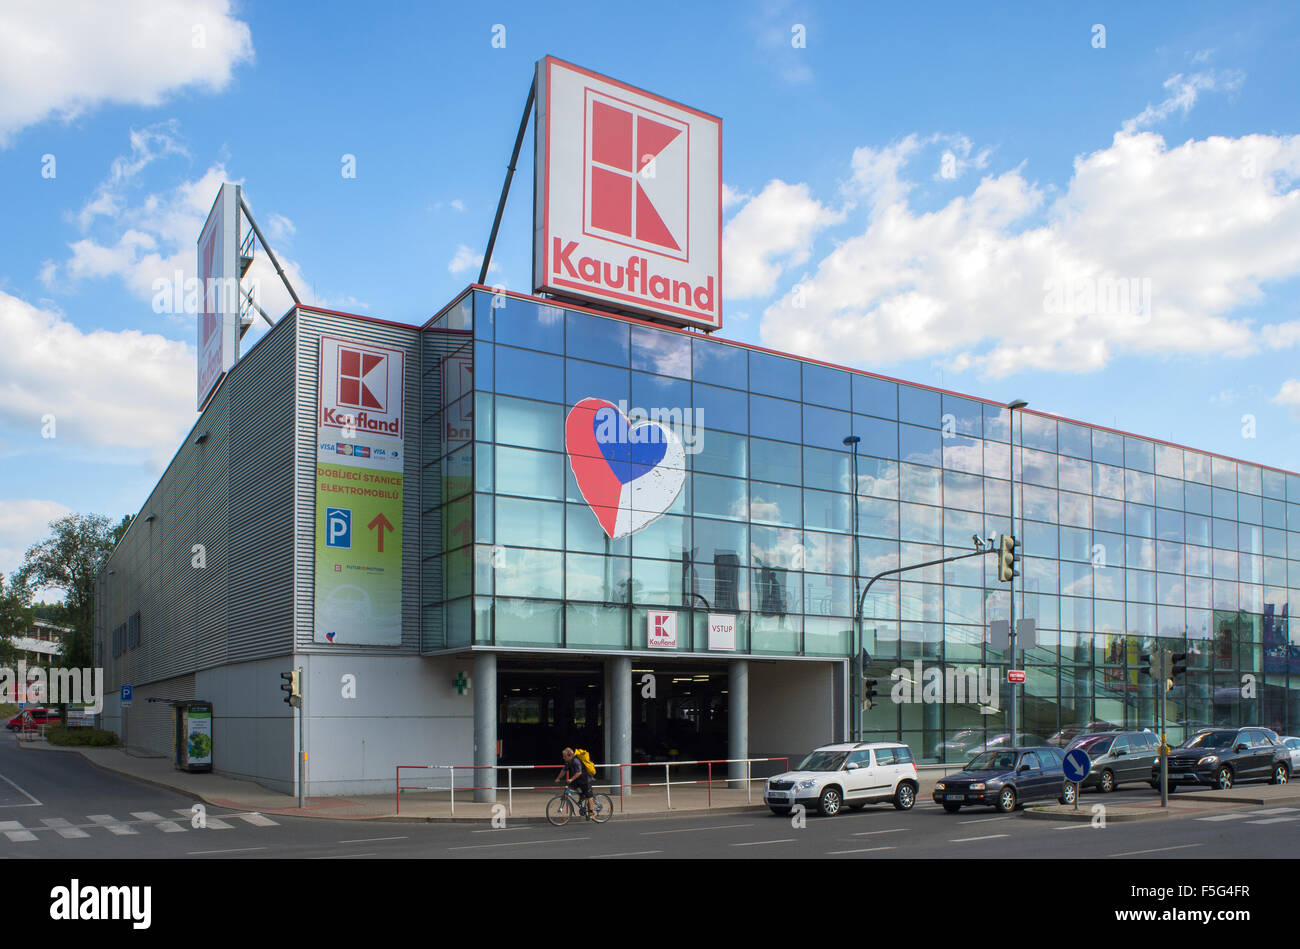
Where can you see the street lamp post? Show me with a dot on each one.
(1011, 590)
(852, 441)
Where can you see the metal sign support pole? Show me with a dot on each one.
(505, 189)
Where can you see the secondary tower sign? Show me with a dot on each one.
(219, 285)
(628, 198)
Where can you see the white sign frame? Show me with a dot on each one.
(669, 639)
(722, 632)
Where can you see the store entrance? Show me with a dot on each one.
(542, 709)
(686, 719)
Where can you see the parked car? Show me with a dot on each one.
(1073, 733)
(1006, 778)
(1118, 758)
(959, 743)
(1220, 757)
(855, 773)
(1292, 745)
(999, 742)
(33, 718)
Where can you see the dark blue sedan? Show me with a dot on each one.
(1006, 779)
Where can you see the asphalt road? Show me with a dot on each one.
(61, 806)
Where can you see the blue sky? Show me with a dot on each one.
(902, 192)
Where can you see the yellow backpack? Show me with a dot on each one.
(585, 758)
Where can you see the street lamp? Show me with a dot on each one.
(1011, 590)
(852, 442)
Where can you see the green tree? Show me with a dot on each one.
(68, 560)
(15, 615)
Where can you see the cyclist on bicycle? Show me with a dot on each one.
(575, 776)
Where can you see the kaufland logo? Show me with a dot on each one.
(363, 379)
(637, 182)
(360, 390)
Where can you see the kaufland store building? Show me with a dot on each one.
(476, 558)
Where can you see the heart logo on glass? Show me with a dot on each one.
(629, 473)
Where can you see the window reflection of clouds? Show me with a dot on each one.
(668, 354)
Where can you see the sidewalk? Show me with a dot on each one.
(222, 791)
(1181, 804)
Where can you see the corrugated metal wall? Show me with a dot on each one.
(312, 325)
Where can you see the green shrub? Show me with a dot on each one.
(81, 737)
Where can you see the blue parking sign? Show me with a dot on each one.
(338, 527)
(126, 694)
(1077, 765)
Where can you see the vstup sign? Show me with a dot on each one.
(628, 198)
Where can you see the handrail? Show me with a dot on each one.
(452, 787)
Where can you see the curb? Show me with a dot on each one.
(1082, 816)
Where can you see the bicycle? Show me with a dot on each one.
(566, 804)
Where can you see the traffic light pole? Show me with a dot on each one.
(1162, 657)
(302, 755)
(867, 589)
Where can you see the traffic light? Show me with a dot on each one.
(1007, 557)
(1146, 665)
(1178, 664)
(292, 687)
(869, 693)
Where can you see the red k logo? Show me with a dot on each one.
(637, 186)
(363, 380)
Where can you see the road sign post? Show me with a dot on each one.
(1076, 766)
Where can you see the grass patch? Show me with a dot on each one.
(7, 711)
(83, 737)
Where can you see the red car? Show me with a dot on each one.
(33, 718)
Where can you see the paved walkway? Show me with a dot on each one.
(1279, 802)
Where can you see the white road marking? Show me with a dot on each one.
(166, 826)
(630, 853)
(1273, 820)
(868, 833)
(341, 856)
(1134, 853)
(1277, 810)
(759, 843)
(256, 819)
(1083, 826)
(112, 824)
(200, 853)
(211, 823)
(15, 831)
(64, 828)
(966, 840)
(861, 850)
(691, 830)
(1218, 817)
(35, 803)
(517, 843)
(368, 840)
(982, 820)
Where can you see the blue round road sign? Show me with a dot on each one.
(1077, 765)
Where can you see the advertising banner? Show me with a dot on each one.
(198, 739)
(661, 630)
(628, 196)
(218, 317)
(359, 462)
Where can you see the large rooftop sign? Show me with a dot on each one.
(628, 198)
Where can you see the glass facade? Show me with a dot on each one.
(1128, 544)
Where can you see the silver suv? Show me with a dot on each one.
(852, 773)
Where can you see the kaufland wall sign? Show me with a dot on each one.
(628, 198)
(359, 459)
(629, 473)
(218, 282)
(661, 630)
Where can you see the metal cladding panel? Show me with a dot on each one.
(212, 478)
(261, 502)
(311, 326)
(149, 725)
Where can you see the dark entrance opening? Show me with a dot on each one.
(541, 708)
(687, 718)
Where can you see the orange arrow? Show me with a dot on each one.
(382, 524)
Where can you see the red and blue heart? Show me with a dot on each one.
(629, 473)
(330, 636)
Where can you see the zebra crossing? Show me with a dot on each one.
(16, 832)
(1269, 815)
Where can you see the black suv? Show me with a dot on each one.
(1220, 757)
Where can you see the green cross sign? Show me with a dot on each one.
(461, 682)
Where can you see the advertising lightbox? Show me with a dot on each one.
(218, 275)
(628, 196)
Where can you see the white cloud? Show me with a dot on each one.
(466, 259)
(772, 232)
(280, 228)
(957, 159)
(1280, 335)
(1289, 395)
(24, 522)
(115, 392)
(65, 58)
(732, 197)
(1183, 92)
(457, 204)
(1193, 231)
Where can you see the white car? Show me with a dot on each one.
(1293, 746)
(852, 773)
